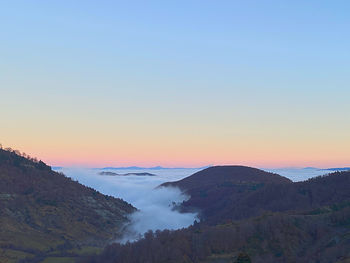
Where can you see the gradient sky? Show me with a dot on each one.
(176, 83)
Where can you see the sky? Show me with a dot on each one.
(176, 83)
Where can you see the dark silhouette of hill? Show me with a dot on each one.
(43, 212)
(234, 192)
(319, 191)
(215, 176)
(277, 238)
(216, 191)
(314, 227)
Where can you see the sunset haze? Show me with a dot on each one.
(107, 83)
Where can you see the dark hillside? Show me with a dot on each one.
(232, 193)
(42, 211)
(221, 176)
(217, 189)
(313, 227)
(316, 236)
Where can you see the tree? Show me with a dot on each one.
(243, 258)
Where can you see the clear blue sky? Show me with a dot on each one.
(177, 82)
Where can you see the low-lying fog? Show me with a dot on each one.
(156, 205)
(302, 174)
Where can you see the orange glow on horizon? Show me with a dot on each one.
(105, 160)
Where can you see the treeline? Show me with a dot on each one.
(278, 237)
(235, 201)
(20, 154)
(42, 211)
(271, 222)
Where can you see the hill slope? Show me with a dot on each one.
(314, 226)
(42, 211)
(217, 189)
(236, 192)
(280, 238)
(220, 176)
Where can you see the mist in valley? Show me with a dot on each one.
(156, 205)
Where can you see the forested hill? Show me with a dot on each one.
(221, 176)
(314, 227)
(43, 212)
(236, 192)
(217, 192)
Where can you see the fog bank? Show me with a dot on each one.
(155, 205)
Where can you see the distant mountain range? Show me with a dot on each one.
(126, 174)
(134, 168)
(324, 169)
(204, 167)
